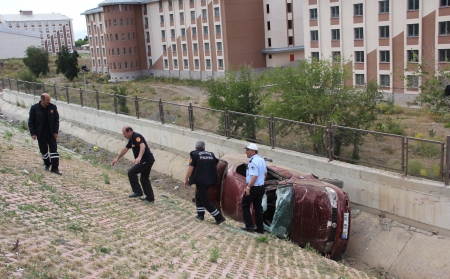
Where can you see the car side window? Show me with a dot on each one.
(242, 169)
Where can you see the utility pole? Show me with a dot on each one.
(85, 70)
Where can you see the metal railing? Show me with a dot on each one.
(410, 156)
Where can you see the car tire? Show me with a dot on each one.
(336, 182)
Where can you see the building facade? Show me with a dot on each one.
(16, 42)
(55, 30)
(382, 38)
(192, 38)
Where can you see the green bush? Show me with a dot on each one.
(391, 127)
(416, 167)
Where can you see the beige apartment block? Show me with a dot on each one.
(55, 30)
(195, 39)
(381, 37)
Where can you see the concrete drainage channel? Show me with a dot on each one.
(385, 248)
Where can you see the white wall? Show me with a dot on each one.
(15, 45)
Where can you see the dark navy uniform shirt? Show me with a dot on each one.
(205, 170)
(135, 142)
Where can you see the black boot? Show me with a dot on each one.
(219, 219)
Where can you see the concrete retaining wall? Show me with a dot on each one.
(420, 203)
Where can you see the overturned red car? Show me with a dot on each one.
(298, 206)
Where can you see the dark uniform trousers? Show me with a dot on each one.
(47, 142)
(144, 169)
(202, 201)
(255, 197)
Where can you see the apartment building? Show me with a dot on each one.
(192, 38)
(383, 38)
(55, 30)
(16, 42)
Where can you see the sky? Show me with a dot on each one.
(71, 9)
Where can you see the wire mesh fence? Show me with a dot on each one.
(411, 156)
(425, 158)
(369, 148)
(301, 137)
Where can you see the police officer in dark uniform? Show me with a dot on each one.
(142, 164)
(43, 124)
(202, 172)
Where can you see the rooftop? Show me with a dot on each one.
(33, 17)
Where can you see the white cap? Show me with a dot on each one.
(251, 146)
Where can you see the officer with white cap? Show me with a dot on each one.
(254, 192)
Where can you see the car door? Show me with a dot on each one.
(215, 192)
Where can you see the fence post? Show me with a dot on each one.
(136, 106)
(54, 91)
(161, 111)
(403, 155)
(405, 147)
(17, 84)
(227, 123)
(272, 131)
(81, 97)
(3, 83)
(330, 149)
(67, 94)
(115, 103)
(34, 88)
(97, 100)
(447, 161)
(191, 116)
(43, 87)
(9, 81)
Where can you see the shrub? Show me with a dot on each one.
(416, 167)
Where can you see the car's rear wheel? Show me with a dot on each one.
(336, 182)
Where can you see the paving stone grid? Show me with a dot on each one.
(77, 226)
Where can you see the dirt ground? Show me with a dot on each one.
(83, 225)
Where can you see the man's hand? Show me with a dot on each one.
(114, 162)
(186, 183)
(247, 191)
(33, 137)
(56, 136)
(137, 160)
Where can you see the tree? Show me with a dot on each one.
(238, 91)
(315, 92)
(80, 42)
(67, 63)
(86, 38)
(121, 99)
(36, 60)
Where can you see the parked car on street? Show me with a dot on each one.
(299, 206)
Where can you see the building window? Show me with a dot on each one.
(192, 14)
(115, 22)
(194, 31)
(181, 16)
(208, 63)
(289, 7)
(126, 65)
(268, 25)
(204, 13)
(196, 63)
(413, 81)
(359, 56)
(444, 28)
(445, 3)
(218, 29)
(147, 36)
(444, 55)
(123, 36)
(413, 5)
(359, 79)
(184, 46)
(175, 63)
(216, 12)
(205, 30)
(118, 51)
(384, 31)
(150, 62)
(291, 40)
(289, 23)
(112, 51)
(315, 55)
(161, 18)
(413, 30)
(185, 63)
(219, 46)
(195, 46)
(385, 80)
(269, 42)
(160, 4)
(163, 33)
(267, 8)
(335, 11)
(206, 46)
(335, 34)
(313, 14)
(384, 7)
(124, 51)
(183, 32)
(314, 36)
(336, 56)
(146, 21)
(171, 17)
(174, 48)
(358, 9)
(121, 22)
(170, 3)
(359, 33)
(164, 48)
(385, 56)
(166, 63)
(413, 56)
(172, 33)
